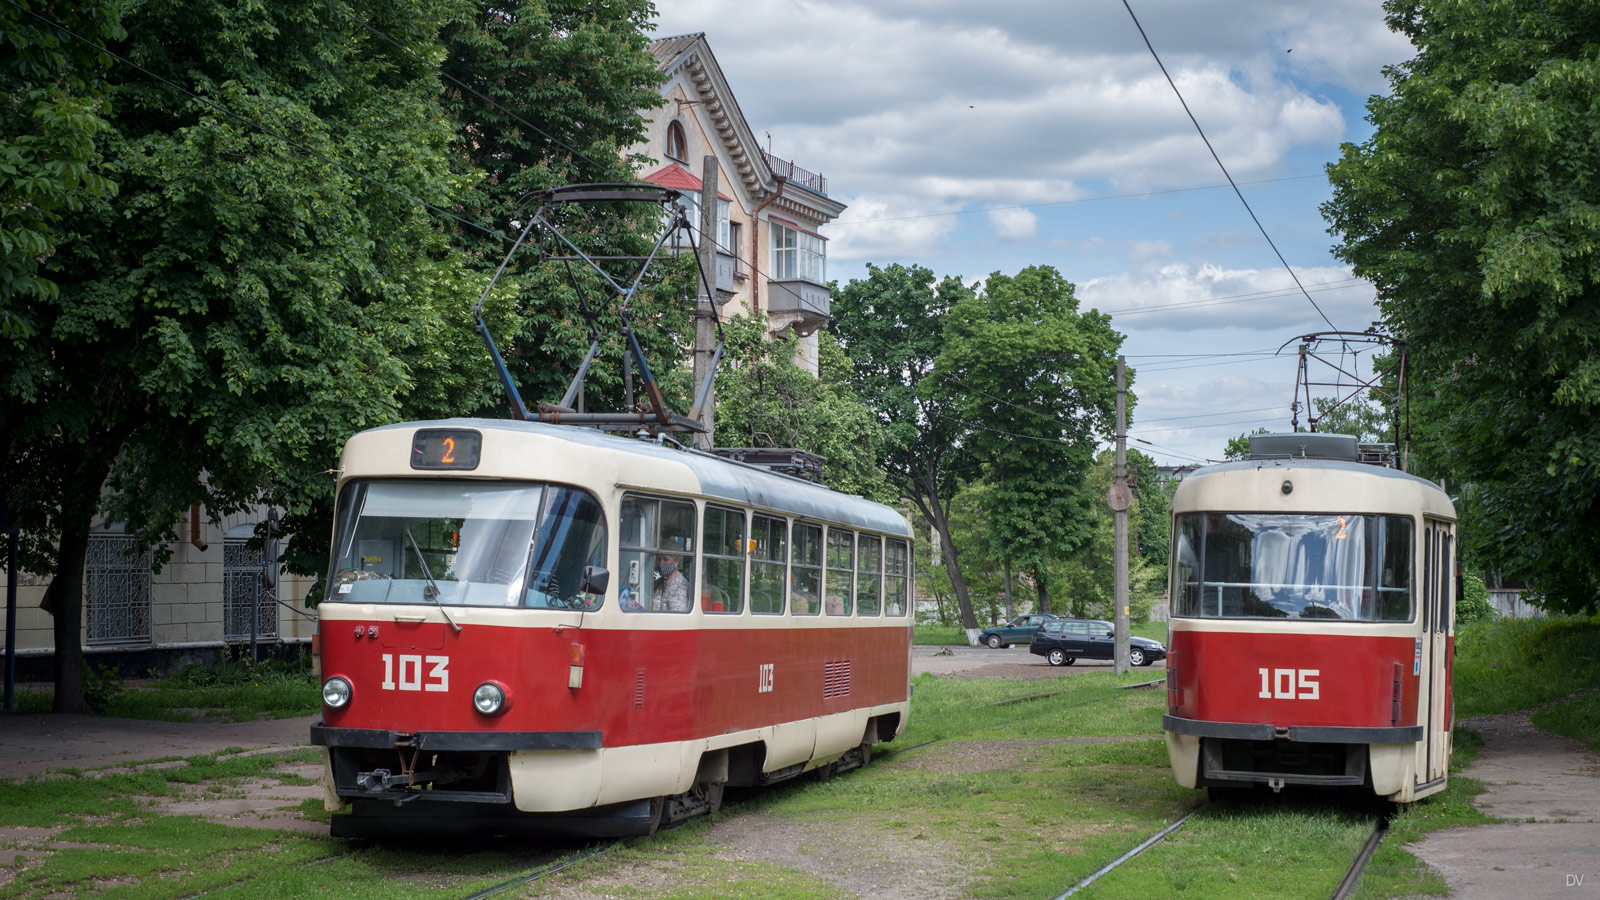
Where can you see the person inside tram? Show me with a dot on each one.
(672, 588)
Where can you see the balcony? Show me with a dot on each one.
(801, 304)
(796, 175)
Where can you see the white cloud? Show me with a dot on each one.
(916, 227)
(1180, 296)
(1014, 224)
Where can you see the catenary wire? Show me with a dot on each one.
(1225, 173)
(253, 124)
(1220, 301)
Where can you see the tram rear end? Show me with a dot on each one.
(1311, 629)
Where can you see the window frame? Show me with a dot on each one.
(675, 130)
(742, 558)
(819, 568)
(905, 577)
(876, 576)
(782, 565)
(848, 572)
(657, 550)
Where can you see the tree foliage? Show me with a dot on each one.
(1035, 380)
(1472, 208)
(891, 324)
(224, 308)
(765, 400)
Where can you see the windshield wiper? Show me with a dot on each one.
(431, 591)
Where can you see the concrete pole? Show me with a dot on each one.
(705, 332)
(13, 535)
(1121, 516)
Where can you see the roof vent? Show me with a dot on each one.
(1303, 445)
(787, 460)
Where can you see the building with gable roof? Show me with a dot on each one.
(771, 257)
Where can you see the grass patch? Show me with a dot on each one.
(1087, 705)
(1578, 718)
(234, 690)
(1506, 665)
(939, 635)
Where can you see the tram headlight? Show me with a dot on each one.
(336, 693)
(489, 699)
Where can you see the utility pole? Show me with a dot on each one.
(13, 535)
(705, 332)
(1120, 497)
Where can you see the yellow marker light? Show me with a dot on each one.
(575, 670)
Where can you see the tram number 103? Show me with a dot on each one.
(412, 677)
(1289, 684)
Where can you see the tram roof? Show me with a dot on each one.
(720, 479)
(1339, 465)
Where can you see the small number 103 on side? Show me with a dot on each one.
(1289, 684)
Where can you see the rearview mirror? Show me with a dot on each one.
(595, 580)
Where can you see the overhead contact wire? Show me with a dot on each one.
(1225, 174)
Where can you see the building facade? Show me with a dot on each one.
(202, 601)
(771, 256)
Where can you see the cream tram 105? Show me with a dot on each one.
(533, 627)
(1312, 621)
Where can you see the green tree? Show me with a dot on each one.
(1472, 209)
(891, 324)
(1036, 381)
(1087, 579)
(568, 79)
(765, 400)
(242, 305)
(1239, 447)
(49, 166)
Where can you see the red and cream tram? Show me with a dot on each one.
(531, 626)
(1311, 622)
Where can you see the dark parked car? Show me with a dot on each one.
(1017, 631)
(1064, 641)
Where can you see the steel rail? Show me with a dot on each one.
(542, 871)
(1148, 843)
(1352, 877)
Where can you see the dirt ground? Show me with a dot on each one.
(1548, 790)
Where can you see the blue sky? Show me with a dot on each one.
(937, 119)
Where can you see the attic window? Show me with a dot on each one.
(675, 142)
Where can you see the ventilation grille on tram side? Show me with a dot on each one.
(638, 689)
(836, 679)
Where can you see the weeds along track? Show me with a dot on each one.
(1146, 845)
(547, 869)
(1352, 877)
(1343, 891)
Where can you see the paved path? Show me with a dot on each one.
(1549, 787)
(31, 744)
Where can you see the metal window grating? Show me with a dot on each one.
(241, 593)
(117, 588)
(836, 679)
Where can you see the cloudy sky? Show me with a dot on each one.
(972, 138)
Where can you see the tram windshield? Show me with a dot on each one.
(470, 543)
(1271, 566)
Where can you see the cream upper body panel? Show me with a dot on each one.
(1316, 486)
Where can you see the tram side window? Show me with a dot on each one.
(767, 563)
(1394, 575)
(841, 568)
(570, 536)
(722, 546)
(657, 554)
(1186, 567)
(805, 575)
(869, 574)
(896, 580)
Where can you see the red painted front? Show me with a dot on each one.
(639, 687)
(1219, 679)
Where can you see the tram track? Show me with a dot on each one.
(1352, 877)
(1345, 889)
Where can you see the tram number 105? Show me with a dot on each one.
(1289, 684)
